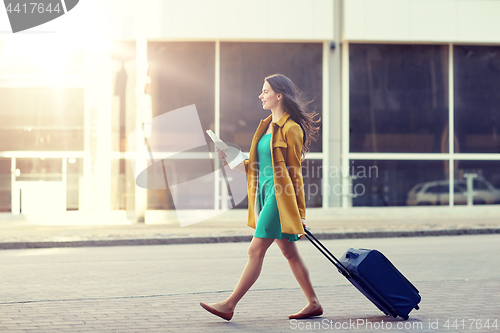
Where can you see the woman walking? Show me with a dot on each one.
(276, 200)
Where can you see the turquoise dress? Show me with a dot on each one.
(268, 223)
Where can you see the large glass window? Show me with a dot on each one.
(41, 119)
(477, 98)
(182, 74)
(398, 98)
(399, 183)
(243, 69)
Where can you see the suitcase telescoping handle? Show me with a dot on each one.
(327, 254)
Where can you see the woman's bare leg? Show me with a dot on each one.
(289, 250)
(256, 253)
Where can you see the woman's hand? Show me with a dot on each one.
(222, 155)
(305, 227)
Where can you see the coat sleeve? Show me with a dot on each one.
(294, 139)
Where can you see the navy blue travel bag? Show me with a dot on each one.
(376, 278)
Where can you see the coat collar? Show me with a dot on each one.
(283, 119)
(280, 121)
(264, 123)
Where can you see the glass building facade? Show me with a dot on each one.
(403, 123)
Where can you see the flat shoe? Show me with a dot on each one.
(223, 315)
(317, 312)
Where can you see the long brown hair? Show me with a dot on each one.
(297, 107)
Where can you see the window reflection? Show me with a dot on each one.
(398, 98)
(182, 171)
(122, 185)
(480, 181)
(123, 115)
(74, 181)
(422, 183)
(123, 111)
(41, 119)
(39, 169)
(477, 101)
(40, 57)
(399, 183)
(5, 185)
(182, 74)
(312, 174)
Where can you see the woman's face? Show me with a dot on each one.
(270, 99)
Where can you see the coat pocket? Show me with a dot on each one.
(279, 149)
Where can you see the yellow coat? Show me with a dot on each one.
(286, 152)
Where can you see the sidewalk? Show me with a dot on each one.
(335, 223)
(346, 310)
(158, 288)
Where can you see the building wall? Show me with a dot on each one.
(453, 21)
(220, 19)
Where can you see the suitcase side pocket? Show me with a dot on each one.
(389, 263)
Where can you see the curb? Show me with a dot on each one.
(409, 233)
(234, 239)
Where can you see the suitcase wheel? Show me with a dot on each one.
(406, 317)
(417, 307)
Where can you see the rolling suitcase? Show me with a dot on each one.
(376, 278)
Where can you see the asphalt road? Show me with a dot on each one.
(158, 288)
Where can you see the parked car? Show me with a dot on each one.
(437, 193)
